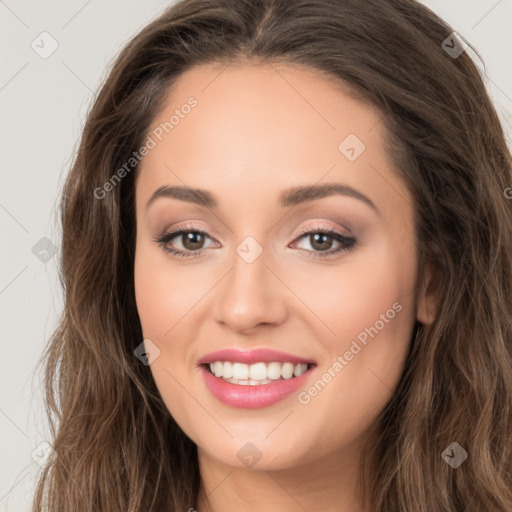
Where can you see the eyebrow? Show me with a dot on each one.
(290, 197)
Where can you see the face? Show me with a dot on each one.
(260, 262)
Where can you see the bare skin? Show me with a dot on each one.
(256, 131)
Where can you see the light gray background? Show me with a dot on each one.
(43, 106)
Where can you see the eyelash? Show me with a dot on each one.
(348, 243)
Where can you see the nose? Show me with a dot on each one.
(250, 296)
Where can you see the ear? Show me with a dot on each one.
(427, 299)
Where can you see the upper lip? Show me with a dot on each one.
(259, 355)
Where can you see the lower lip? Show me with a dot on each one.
(253, 397)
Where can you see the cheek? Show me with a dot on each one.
(162, 301)
(162, 294)
(368, 308)
(167, 302)
(352, 296)
(149, 294)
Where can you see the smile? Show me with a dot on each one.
(253, 379)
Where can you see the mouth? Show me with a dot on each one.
(254, 379)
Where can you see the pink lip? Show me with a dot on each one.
(252, 397)
(259, 355)
(259, 395)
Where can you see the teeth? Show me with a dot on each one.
(218, 368)
(240, 371)
(227, 370)
(274, 371)
(298, 370)
(248, 382)
(287, 371)
(258, 373)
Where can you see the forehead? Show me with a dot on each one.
(263, 127)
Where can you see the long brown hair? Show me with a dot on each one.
(117, 446)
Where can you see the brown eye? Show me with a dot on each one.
(322, 239)
(191, 241)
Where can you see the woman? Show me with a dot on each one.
(287, 266)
